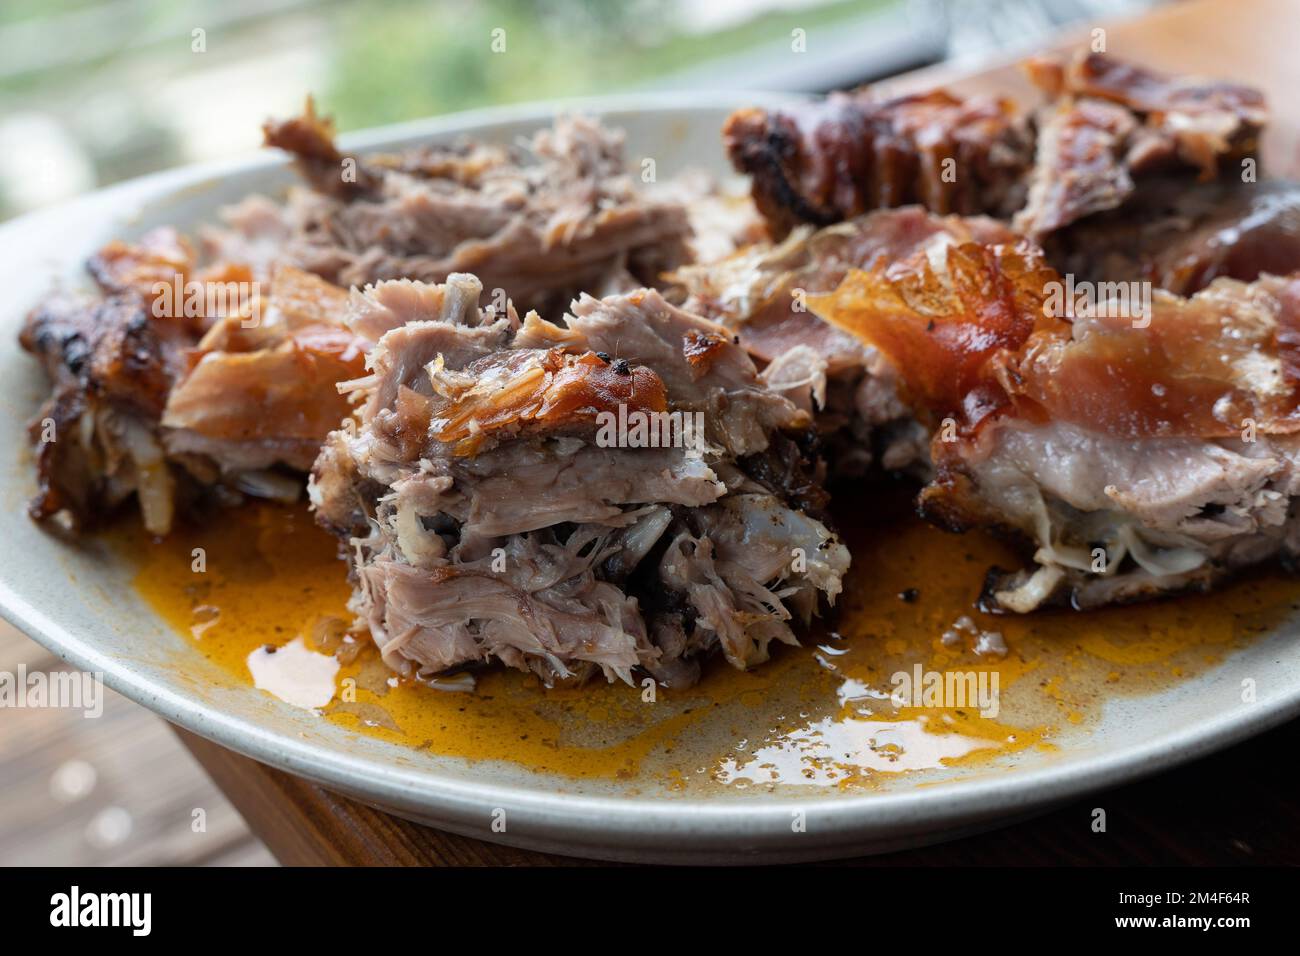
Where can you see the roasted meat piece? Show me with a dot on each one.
(1108, 125)
(96, 440)
(1202, 123)
(112, 359)
(761, 295)
(542, 224)
(1112, 124)
(265, 395)
(1140, 451)
(180, 378)
(1080, 167)
(1141, 176)
(822, 163)
(1181, 239)
(593, 497)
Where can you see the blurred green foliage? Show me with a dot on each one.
(396, 61)
(12, 11)
(116, 87)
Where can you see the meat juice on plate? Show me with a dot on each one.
(828, 714)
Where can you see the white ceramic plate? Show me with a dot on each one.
(79, 603)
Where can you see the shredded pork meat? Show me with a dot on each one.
(491, 513)
(1139, 453)
(1181, 239)
(541, 225)
(637, 480)
(231, 388)
(1108, 126)
(761, 294)
(1111, 124)
(179, 380)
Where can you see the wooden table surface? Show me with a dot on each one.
(118, 790)
(1235, 807)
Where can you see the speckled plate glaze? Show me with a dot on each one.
(78, 601)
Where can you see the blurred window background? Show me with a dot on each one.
(94, 91)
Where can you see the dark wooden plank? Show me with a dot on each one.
(306, 825)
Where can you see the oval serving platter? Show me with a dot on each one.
(79, 602)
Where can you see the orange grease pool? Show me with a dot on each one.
(817, 715)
